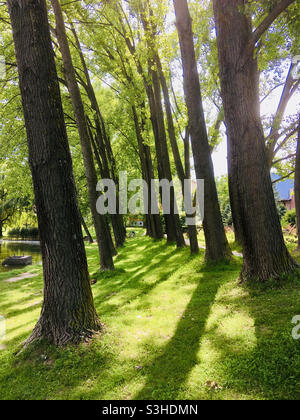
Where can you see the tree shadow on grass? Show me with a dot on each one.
(266, 365)
(129, 281)
(168, 373)
(30, 376)
(269, 368)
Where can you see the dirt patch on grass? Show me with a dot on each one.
(21, 277)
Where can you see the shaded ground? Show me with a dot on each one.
(172, 325)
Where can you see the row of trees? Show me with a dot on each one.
(130, 47)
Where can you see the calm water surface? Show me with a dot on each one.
(9, 248)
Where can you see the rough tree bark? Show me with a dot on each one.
(252, 199)
(68, 313)
(101, 227)
(217, 247)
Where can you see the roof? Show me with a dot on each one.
(284, 188)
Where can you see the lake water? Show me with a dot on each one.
(9, 248)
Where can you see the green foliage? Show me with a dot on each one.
(172, 324)
(31, 232)
(281, 209)
(103, 30)
(226, 215)
(224, 200)
(289, 218)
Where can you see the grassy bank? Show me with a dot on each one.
(174, 329)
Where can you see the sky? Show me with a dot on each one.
(268, 107)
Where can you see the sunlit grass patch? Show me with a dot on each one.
(174, 328)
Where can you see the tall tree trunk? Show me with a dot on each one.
(154, 225)
(101, 227)
(106, 152)
(68, 313)
(151, 29)
(1, 229)
(174, 231)
(192, 230)
(297, 186)
(173, 227)
(86, 229)
(187, 158)
(102, 174)
(217, 247)
(253, 204)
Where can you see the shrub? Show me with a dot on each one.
(289, 218)
(14, 233)
(281, 210)
(226, 215)
(31, 232)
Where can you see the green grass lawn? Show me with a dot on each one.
(172, 324)
(231, 239)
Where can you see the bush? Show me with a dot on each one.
(31, 232)
(289, 218)
(281, 210)
(226, 215)
(14, 233)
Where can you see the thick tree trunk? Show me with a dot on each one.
(68, 313)
(234, 201)
(253, 205)
(1, 229)
(297, 186)
(101, 226)
(217, 247)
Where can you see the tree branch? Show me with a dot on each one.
(283, 177)
(286, 95)
(267, 22)
(284, 158)
(284, 141)
(270, 91)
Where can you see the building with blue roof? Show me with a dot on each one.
(285, 190)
